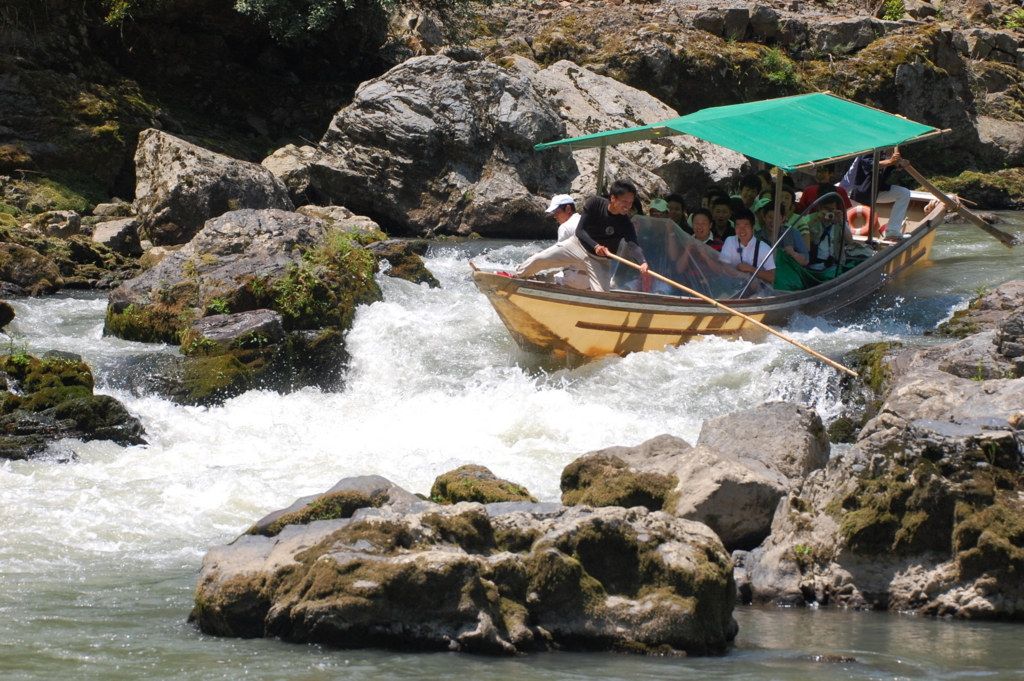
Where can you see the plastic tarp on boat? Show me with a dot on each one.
(788, 132)
(673, 253)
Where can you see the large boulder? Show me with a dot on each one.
(589, 102)
(50, 398)
(181, 185)
(501, 578)
(120, 236)
(921, 515)
(305, 276)
(734, 490)
(787, 438)
(436, 146)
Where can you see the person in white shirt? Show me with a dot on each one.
(563, 208)
(746, 253)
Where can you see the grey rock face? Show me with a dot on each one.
(121, 236)
(783, 437)
(62, 224)
(744, 463)
(224, 329)
(180, 186)
(436, 145)
(500, 579)
(905, 519)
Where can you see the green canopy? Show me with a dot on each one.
(789, 132)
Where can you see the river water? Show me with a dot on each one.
(99, 556)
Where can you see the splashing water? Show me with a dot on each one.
(99, 556)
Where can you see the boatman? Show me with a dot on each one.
(604, 224)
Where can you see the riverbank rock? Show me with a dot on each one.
(732, 481)
(298, 274)
(45, 400)
(493, 579)
(922, 515)
(477, 484)
(28, 270)
(6, 314)
(404, 261)
(120, 236)
(436, 146)
(181, 185)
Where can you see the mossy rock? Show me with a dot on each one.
(327, 507)
(475, 483)
(990, 539)
(869, 363)
(211, 380)
(999, 190)
(607, 480)
(36, 374)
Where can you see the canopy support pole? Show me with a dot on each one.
(873, 215)
(600, 171)
(779, 173)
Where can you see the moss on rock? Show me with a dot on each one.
(607, 480)
(327, 507)
(210, 380)
(999, 190)
(869, 362)
(475, 483)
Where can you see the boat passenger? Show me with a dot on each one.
(860, 189)
(746, 253)
(823, 178)
(829, 235)
(702, 229)
(658, 208)
(677, 211)
(721, 212)
(710, 194)
(750, 185)
(792, 242)
(604, 224)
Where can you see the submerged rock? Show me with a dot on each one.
(403, 258)
(48, 399)
(493, 579)
(180, 186)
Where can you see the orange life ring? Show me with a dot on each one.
(858, 217)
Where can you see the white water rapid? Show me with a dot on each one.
(98, 557)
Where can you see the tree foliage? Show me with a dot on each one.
(289, 21)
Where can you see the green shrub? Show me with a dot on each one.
(894, 10)
(1014, 19)
(778, 69)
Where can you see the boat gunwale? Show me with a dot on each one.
(788, 300)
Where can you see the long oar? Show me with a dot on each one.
(1005, 239)
(717, 304)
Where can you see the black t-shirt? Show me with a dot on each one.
(598, 226)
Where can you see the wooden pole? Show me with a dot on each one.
(600, 171)
(873, 213)
(731, 311)
(1005, 239)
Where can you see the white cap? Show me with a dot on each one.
(559, 200)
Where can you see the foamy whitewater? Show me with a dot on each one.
(98, 557)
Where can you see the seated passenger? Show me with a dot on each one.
(746, 253)
(750, 185)
(823, 178)
(792, 242)
(702, 229)
(828, 234)
(721, 212)
(563, 208)
(677, 211)
(766, 178)
(710, 194)
(658, 208)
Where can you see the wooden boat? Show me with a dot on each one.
(565, 322)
